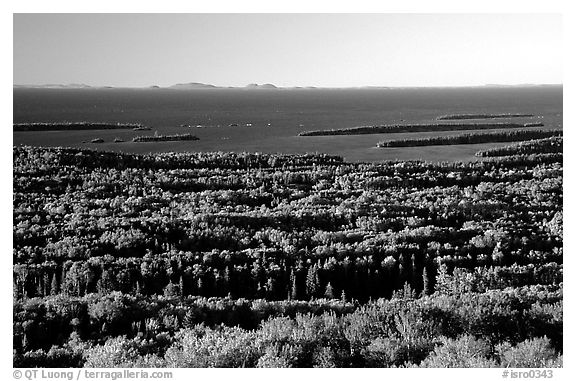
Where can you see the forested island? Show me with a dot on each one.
(546, 145)
(69, 126)
(396, 128)
(164, 138)
(483, 116)
(259, 260)
(473, 138)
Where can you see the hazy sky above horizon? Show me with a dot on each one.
(332, 50)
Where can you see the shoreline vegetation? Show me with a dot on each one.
(483, 116)
(478, 138)
(397, 128)
(68, 126)
(164, 138)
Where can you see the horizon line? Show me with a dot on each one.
(266, 86)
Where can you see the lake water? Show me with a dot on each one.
(275, 117)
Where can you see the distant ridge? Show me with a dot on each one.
(57, 86)
(199, 85)
(192, 86)
(524, 85)
(264, 86)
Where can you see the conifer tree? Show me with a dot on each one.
(45, 284)
(415, 278)
(138, 290)
(329, 293)
(401, 276)
(312, 281)
(293, 285)
(54, 285)
(226, 280)
(63, 288)
(426, 286)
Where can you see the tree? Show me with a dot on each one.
(329, 293)
(312, 281)
(171, 290)
(426, 286)
(191, 318)
(293, 285)
(443, 280)
(54, 285)
(106, 283)
(181, 286)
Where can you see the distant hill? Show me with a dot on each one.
(198, 85)
(264, 86)
(192, 86)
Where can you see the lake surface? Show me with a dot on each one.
(270, 120)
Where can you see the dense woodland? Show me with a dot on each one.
(546, 145)
(164, 138)
(255, 260)
(435, 127)
(483, 116)
(474, 138)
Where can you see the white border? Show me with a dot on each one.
(296, 6)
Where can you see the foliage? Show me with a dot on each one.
(483, 116)
(164, 138)
(128, 254)
(397, 128)
(473, 138)
(547, 145)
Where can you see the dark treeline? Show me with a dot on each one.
(538, 146)
(73, 126)
(164, 138)
(473, 138)
(515, 327)
(396, 128)
(44, 322)
(41, 322)
(131, 252)
(483, 116)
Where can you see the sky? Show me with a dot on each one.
(325, 50)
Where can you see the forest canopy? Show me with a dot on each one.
(261, 260)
